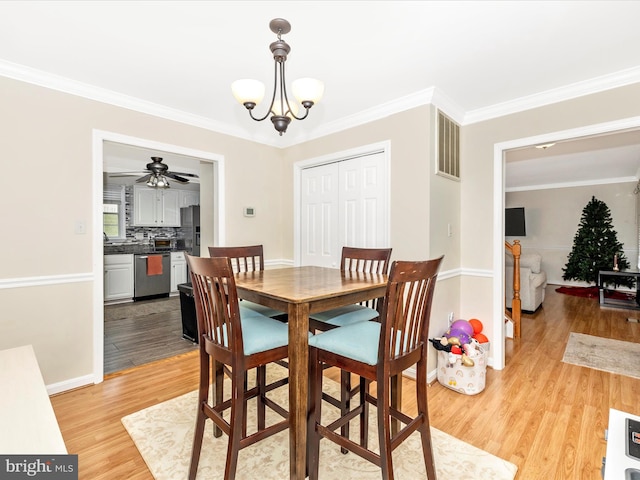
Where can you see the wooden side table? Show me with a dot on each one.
(633, 304)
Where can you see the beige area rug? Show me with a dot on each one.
(163, 434)
(614, 356)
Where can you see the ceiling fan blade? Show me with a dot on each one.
(143, 179)
(192, 175)
(176, 177)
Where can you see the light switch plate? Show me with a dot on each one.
(81, 227)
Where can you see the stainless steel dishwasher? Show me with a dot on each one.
(151, 278)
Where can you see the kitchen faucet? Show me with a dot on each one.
(106, 239)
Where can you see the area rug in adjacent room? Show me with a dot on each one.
(614, 356)
(163, 434)
(141, 308)
(593, 292)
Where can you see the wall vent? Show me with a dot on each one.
(448, 150)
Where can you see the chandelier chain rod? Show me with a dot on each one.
(286, 98)
(273, 98)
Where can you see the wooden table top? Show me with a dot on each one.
(306, 284)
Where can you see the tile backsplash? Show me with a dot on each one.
(134, 233)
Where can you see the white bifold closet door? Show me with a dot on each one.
(343, 203)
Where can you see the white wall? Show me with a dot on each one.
(553, 215)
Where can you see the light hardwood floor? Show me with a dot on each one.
(545, 416)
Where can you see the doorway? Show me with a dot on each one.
(499, 167)
(213, 221)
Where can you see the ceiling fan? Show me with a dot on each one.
(157, 173)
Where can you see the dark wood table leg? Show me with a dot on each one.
(298, 388)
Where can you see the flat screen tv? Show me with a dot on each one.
(514, 224)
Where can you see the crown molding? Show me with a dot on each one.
(73, 87)
(377, 112)
(568, 92)
(431, 95)
(584, 183)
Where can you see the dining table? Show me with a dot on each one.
(300, 291)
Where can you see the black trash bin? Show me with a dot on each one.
(188, 310)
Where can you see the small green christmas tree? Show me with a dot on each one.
(594, 247)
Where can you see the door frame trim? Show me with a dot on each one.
(499, 166)
(99, 137)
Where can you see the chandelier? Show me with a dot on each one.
(307, 91)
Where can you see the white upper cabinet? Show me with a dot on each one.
(189, 197)
(155, 207)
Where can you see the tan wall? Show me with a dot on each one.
(408, 133)
(477, 204)
(46, 187)
(421, 203)
(47, 146)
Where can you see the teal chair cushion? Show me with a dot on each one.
(358, 341)
(256, 307)
(347, 315)
(262, 333)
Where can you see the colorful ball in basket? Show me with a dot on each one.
(481, 338)
(477, 325)
(462, 325)
(463, 336)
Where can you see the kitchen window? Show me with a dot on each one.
(113, 207)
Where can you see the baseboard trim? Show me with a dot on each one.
(70, 384)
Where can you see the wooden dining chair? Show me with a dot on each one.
(241, 343)
(378, 351)
(353, 261)
(247, 259)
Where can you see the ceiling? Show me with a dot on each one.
(476, 60)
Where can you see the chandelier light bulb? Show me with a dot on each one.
(248, 90)
(280, 108)
(307, 90)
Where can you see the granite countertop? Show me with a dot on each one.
(134, 248)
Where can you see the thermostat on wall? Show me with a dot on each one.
(249, 212)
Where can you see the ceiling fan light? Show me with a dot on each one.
(152, 182)
(162, 182)
(544, 146)
(308, 90)
(248, 90)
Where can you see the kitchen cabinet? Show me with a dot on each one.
(189, 197)
(118, 276)
(156, 207)
(178, 270)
